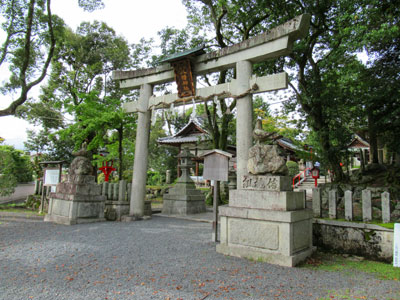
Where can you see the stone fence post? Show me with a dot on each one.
(129, 187)
(104, 190)
(332, 204)
(110, 191)
(122, 190)
(348, 205)
(385, 201)
(366, 205)
(115, 191)
(37, 185)
(40, 187)
(316, 202)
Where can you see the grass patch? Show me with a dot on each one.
(339, 263)
(18, 208)
(385, 225)
(13, 206)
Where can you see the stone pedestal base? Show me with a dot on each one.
(279, 237)
(183, 205)
(75, 212)
(115, 210)
(271, 225)
(77, 201)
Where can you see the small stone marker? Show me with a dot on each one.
(348, 205)
(396, 245)
(366, 205)
(385, 197)
(332, 204)
(316, 202)
(168, 177)
(122, 190)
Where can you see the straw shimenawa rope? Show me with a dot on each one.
(205, 99)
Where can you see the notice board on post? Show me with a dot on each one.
(51, 176)
(216, 163)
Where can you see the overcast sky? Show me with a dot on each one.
(133, 19)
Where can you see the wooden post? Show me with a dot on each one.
(215, 210)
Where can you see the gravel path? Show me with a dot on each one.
(161, 258)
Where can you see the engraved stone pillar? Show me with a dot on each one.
(348, 205)
(316, 202)
(244, 118)
(385, 199)
(138, 193)
(332, 204)
(366, 205)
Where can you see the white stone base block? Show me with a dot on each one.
(257, 255)
(71, 212)
(278, 237)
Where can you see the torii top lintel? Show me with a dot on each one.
(270, 44)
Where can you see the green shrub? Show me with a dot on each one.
(293, 168)
(154, 178)
(33, 202)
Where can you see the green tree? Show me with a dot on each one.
(15, 167)
(80, 84)
(30, 36)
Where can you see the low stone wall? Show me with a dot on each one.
(367, 240)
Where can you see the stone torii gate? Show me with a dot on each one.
(272, 44)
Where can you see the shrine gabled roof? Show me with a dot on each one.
(287, 144)
(187, 53)
(175, 141)
(191, 133)
(193, 126)
(358, 142)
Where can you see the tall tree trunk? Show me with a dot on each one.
(373, 139)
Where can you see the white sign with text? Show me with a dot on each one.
(51, 176)
(396, 245)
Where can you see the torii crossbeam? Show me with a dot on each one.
(272, 44)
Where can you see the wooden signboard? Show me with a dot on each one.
(184, 78)
(216, 163)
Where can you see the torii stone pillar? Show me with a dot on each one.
(244, 124)
(138, 191)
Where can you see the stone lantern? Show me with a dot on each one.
(184, 198)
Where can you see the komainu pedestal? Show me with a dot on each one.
(79, 199)
(266, 220)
